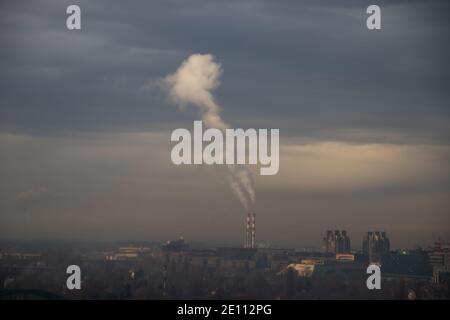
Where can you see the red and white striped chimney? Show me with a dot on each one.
(247, 233)
(253, 244)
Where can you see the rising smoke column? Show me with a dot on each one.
(193, 83)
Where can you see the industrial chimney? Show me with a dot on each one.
(253, 245)
(250, 231)
(247, 232)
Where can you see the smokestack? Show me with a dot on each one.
(247, 233)
(253, 230)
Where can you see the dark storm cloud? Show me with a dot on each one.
(310, 68)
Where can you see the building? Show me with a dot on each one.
(440, 261)
(405, 266)
(375, 244)
(345, 257)
(175, 245)
(305, 270)
(128, 253)
(337, 242)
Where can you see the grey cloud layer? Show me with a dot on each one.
(312, 62)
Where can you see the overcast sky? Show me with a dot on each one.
(363, 117)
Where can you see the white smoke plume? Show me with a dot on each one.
(237, 189)
(193, 83)
(242, 185)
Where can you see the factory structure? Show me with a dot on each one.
(250, 231)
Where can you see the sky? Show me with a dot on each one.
(363, 116)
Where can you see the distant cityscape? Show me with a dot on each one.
(178, 269)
